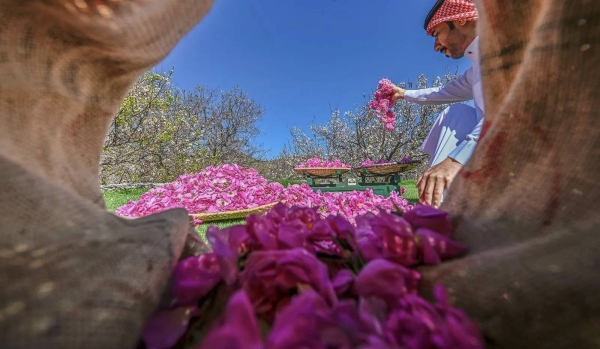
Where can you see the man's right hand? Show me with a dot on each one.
(398, 93)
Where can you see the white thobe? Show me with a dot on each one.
(456, 131)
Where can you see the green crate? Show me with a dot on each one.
(383, 189)
(390, 183)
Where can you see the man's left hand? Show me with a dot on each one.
(432, 183)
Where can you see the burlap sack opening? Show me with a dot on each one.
(527, 203)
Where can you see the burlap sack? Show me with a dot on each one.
(74, 276)
(528, 203)
(71, 274)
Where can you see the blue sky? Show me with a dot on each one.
(298, 58)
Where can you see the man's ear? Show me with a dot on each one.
(461, 22)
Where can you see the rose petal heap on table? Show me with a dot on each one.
(214, 189)
(296, 280)
(369, 162)
(318, 162)
(382, 103)
(346, 204)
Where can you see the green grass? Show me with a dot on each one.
(412, 193)
(201, 229)
(117, 198)
(286, 183)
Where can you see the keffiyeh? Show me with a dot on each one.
(450, 10)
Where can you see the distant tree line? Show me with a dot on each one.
(161, 131)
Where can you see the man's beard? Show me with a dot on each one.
(451, 53)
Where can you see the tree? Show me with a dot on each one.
(161, 131)
(230, 119)
(356, 135)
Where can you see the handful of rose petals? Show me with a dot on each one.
(382, 103)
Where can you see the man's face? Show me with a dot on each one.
(451, 42)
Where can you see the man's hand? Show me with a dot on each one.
(398, 93)
(432, 183)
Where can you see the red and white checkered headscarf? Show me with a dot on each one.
(453, 10)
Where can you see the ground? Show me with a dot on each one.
(116, 198)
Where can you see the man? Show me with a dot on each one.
(455, 133)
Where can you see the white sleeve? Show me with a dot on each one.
(458, 90)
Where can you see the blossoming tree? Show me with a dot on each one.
(356, 135)
(160, 131)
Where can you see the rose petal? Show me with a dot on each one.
(240, 328)
(165, 328)
(386, 280)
